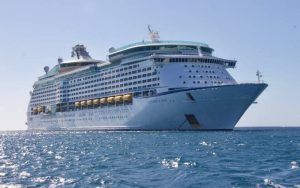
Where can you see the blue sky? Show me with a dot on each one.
(262, 35)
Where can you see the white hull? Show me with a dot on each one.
(210, 108)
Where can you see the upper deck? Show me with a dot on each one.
(159, 43)
(145, 48)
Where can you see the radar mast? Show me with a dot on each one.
(259, 76)
(154, 35)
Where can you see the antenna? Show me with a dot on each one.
(149, 29)
(259, 76)
(154, 35)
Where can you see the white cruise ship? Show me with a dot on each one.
(150, 85)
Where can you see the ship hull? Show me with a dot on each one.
(210, 108)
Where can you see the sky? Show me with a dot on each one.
(260, 34)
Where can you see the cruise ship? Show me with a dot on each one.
(149, 85)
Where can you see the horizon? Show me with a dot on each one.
(261, 36)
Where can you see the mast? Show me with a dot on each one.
(154, 35)
(259, 76)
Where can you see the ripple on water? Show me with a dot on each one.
(203, 143)
(177, 162)
(41, 179)
(150, 159)
(294, 165)
(171, 163)
(58, 157)
(10, 186)
(270, 183)
(60, 181)
(24, 174)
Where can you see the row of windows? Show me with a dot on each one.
(205, 82)
(112, 82)
(42, 92)
(45, 88)
(43, 97)
(100, 79)
(111, 87)
(108, 78)
(106, 73)
(108, 88)
(42, 101)
(192, 60)
(196, 76)
(158, 49)
(48, 99)
(118, 91)
(113, 77)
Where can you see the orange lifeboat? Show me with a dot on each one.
(77, 104)
(35, 110)
(127, 98)
(103, 101)
(83, 103)
(96, 101)
(89, 102)
(119, 98)
(111, 100)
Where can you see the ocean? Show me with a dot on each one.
(255, 157)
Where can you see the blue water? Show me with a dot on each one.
(240, 158)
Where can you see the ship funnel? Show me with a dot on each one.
(79, 52)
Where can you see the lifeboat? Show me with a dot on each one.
(83, 103)
(41, 109)
(35, 110)
(89, 102)
(119, 99)
(77, 104)
(103, 101)
(111, 100)
(127, 98)
(96, 101)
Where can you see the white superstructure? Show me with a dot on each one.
(153, 85)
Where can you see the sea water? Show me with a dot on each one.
(240, 158)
